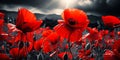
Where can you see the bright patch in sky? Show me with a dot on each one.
(85, 2)
(67, 3)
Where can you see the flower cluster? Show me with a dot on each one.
(70, 39)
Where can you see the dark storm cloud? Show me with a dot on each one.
(40, 6)
(39, 3)
(104, 7)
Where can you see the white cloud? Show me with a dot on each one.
(55, 11)
(33, 9)
(67, 3)
(85, 2)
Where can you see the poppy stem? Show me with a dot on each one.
(69, 44)
(26, 44)
(19, 47)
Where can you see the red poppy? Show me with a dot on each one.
(27, 41)
(3, 34)
(17, 38)
(4, 57)
(61, 55)
(29, 37)
(110, 21)
(1, 25)
(17, 53)
(47, 32)
(75, 18)
(47, 47)
(94, 34)
(88, 52)
(92, 58)
(109, 42)
(104, 32)
(1, 22)
(24, 46)
(2, 15)
(26, 21)
(22, 51)
(118, 33)
(11, 37)
(109, 55)
(38, 44)
(14, 52)
(84, 54)
(53, 38)
(75, 22)
(112, 34)
(116, 48)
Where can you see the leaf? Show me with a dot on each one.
(87, 46)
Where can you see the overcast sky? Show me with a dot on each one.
(97, 7)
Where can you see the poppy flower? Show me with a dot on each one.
(84, 54)
(110, 21)
(22, 50)
(17, 53)
(104, 32)
(74, 23)
(29, 37)
(14, 52)
(47, 32)
(26, 42)
(3, 34)
(1, 22)
(65, 56)
(109, 55)
(4, 57)
(116, 48)
(94, 34)
(118, 33)
(23, 47)
(38, 44)
(109, 42)
(92, 58)
(47, 47)
(16, 38)
(26, 21)
(1, 25)
(2, 15)
(53, 37)
(112, 34)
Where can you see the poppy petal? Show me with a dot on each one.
(75, 36)
(4, 57)
(110, 21)
(63, 30)
(14, 52)
(53, 37)
(2, 15)
(38, 44)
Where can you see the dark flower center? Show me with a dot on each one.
(21, 44)
(71, 21)
(27, 44)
